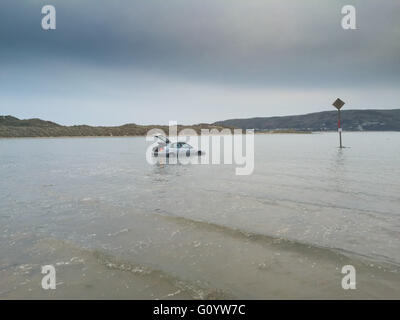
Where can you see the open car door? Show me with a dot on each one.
(163, 139)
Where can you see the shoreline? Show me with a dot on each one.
(137, 136)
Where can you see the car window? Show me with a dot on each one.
(180, 145)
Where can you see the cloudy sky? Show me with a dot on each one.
(151, 61)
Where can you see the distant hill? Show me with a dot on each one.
(13, 127)
(352, 120)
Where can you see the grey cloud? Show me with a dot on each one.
(250, 43)
(148, 61)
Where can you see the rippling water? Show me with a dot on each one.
(116, 227)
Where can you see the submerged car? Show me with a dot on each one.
(167, 149)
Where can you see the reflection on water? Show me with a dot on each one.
(200, 231)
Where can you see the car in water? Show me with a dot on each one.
(168, 149)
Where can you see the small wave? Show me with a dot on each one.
(118, 232)
(194, 290)
(283, 243)
(112, 262)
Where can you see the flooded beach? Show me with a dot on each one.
(116, 227)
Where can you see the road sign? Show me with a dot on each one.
(338, 104)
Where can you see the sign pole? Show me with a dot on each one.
(338, 104)
(340, 129)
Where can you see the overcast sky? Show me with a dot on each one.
(151, 61)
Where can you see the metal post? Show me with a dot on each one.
(340, 129)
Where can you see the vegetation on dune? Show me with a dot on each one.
(14, 127)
